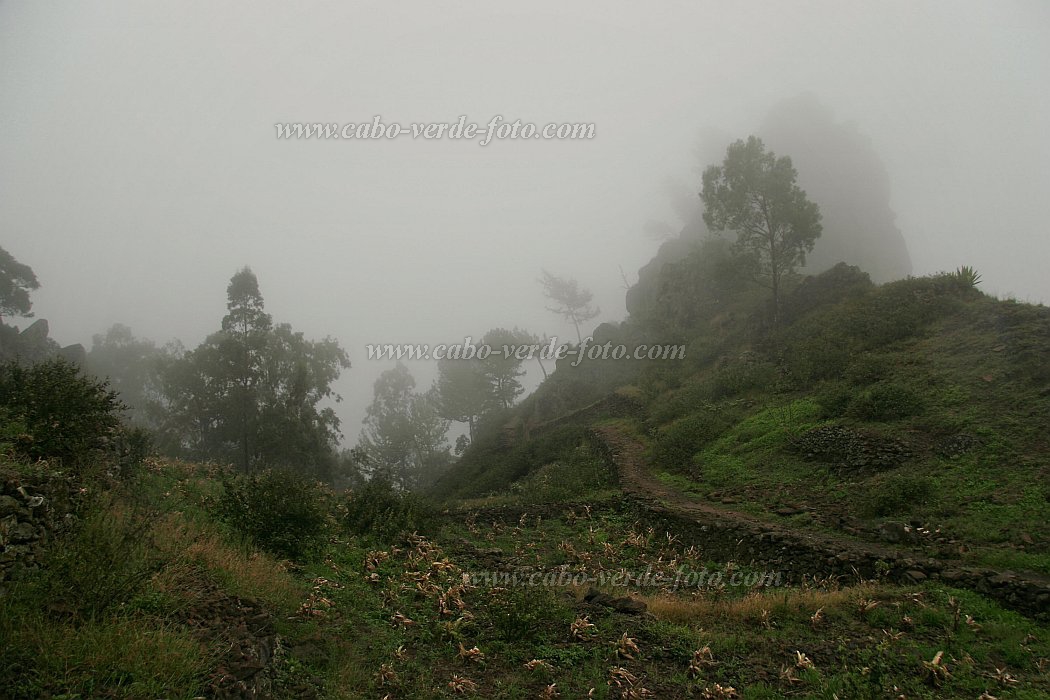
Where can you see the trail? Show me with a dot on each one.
(732, 535)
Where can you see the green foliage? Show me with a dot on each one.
(528, 614)
(896, 494)
(580, 473)
(966, 277)
(104, 560)
(569, 299)
(405, 437)
(825, 354)
(1025, 331)
(887, 401)
(700, 294)
(753, 193)
(133, 367)
(489, 467)
(739, 375)
(833, 398)
(277, 509)
(252, 393)
(377, 509)
(832, 286)
(114, 657)
(16, 281)
(675, 445)
(66, 415)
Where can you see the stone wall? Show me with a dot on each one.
(33, 509)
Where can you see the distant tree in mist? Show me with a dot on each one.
(134, 368)
(754, 195)
(468, 389)
(16, 281)
(404, 440)
(251, 393)
(463, 392)
(246, 332)
(503, 366)
(569, 300)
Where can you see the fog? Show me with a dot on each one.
(140, 167)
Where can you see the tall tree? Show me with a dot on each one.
(404, 435)
(463, 392)
(754, 194)
(503, 366)
(254, 393)
(296, 378)
(246, 328)
(16, 281)
(569, 300)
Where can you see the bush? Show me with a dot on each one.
(379, 510)
(278, 510)
(824, 355)
(65, 415)
(675, 444)
(579, 474)
(897, 495)
(833, 398)
(528, 614)
(740, 375)
(887, 402)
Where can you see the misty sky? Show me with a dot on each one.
(139, 166)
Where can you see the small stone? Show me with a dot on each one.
(9, 506)
(628, 606)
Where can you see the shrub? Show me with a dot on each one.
(65, 415)
(580, 473)
(675, 444)
(528, 614)
(887, 402)
(278, 510)
(379, 510)
(740, 375)
(965, 278)
(824, 355)
(896, 495)
(833, 398)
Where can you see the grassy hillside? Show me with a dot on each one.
(155, 595)
(588, 543)
(921, 401)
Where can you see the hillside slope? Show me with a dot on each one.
(912, 413)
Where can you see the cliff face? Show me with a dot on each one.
(32, 344)
(840, 171)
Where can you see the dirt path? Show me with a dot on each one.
(742, 537)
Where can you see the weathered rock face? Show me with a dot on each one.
(840, 171)
(74, 353)
(36, 333)
(32, 344)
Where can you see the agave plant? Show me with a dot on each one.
(967, 277)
